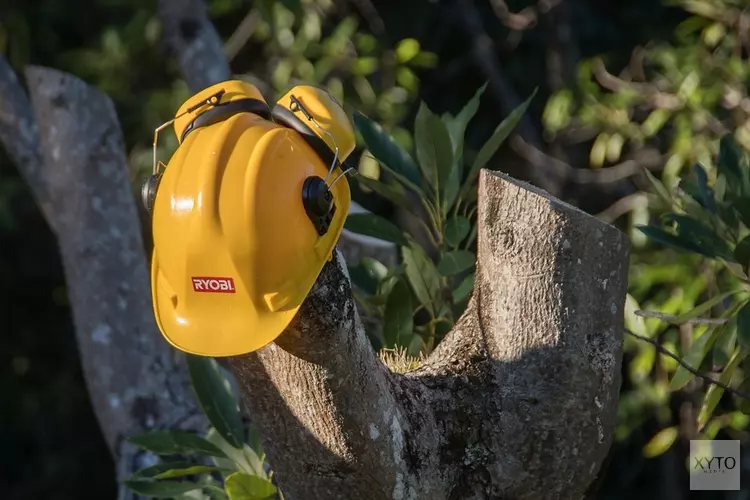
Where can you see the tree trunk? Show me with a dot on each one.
(518, 401)
(75, 166)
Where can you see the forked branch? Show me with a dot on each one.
(518, 401)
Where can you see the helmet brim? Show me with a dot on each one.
(239, 329)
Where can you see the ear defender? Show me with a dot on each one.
(245, 215)
(322, 122)
(318, 202)
(148, 191)
(212, 105)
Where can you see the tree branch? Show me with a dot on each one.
(710, 380)
(518, 401)
(192, 38)
(134, 378)
(483, 51)
(623, 206)
(558, 169)
(19, 136)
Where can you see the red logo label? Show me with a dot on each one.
(213, 285)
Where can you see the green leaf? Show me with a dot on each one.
(375, 226)
(294, 6)
(702, 308)
(464, 289)
(658, 235)
(160, 489)
(169, 470)
(452, 188)
(743, 404)
(175, 443)
(725, 344)
(398, 319)
(362, 279)
(214, 493)
(742, 206)
(189, 471)
(240, 486)
(389, 281)
(415, 347)
(456, 262)
(434, 152)
(456, 229)
(249, 460)
(407, 49)
(661, 442)
(742, 252)
(395, 193)
(720, 187)
(409, 184)
(705, 195)
(497, 138)
(701, 236)
(375, 268)
(215, 395)
(425, 147)
(743, 326)
(385, 149)
(714, 393)
(659, 188)
(695, 356)
(155, 470)
(422, 275)
(728, 162)
(457, 130)
(457, 125)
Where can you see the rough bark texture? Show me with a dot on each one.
(134, 378)
(192, 39)
(518, 402)
(18, 134)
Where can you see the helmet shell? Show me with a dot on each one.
(235, 253)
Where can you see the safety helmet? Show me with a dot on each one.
(245, 214)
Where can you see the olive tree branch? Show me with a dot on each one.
(663, 350)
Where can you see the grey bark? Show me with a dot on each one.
(135, 380)
(518, 401)
(19, 136)
(192, 39)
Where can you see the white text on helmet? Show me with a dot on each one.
(213, 285)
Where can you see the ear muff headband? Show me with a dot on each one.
(286, 117)
(223, 111)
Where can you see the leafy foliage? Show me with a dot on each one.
(421, 304)
(225, 465)
(704, 217)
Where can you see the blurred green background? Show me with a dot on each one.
(622, 86)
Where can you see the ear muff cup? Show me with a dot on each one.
(284, 116)
(148, 191)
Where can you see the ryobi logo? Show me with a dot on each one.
(213, 285)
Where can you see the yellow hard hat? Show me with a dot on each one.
(244, 217)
